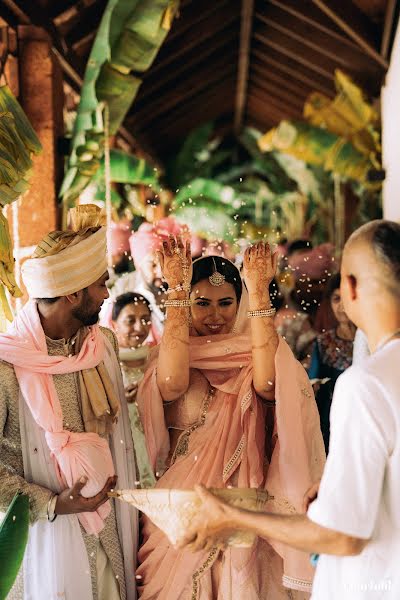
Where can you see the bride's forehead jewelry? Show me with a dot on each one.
(216, 278)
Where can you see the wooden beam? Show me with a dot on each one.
(355, 24)
(262, 73)
(156, 85)
(190, 18)
(270, 113)
(289, 68)
(215, 104)
(269, 100)
(344, 52)
(388, 28)
(204, 78)
(246, 25)
(300, 54)
(306, 12)
(284, 96)
(173, 52)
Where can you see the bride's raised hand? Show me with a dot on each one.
(176, 262)
(259, 267)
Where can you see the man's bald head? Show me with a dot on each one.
(372, 256)
(370, 282)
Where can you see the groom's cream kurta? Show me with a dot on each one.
(104, 553)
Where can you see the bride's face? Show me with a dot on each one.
(213, 308)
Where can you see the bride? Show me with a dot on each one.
(224, 402)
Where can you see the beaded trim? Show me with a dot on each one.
(296, 584)
(197, 574)
(182, 447)
(267, 312)
(246, 401)
(178, 303)
(233, 459)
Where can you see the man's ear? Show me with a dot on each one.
(353, 288)
(75, 298)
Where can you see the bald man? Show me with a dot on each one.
(353, 521)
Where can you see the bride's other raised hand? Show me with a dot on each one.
(176, 261)
(259, 267)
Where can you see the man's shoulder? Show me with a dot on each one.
(5, 368)
(110, 335)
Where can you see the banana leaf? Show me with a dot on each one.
(117, 90)
(208, 221)
(348, 115)
(266, 164)
(13, 539)
(127, 168)
(128, 39)
(211, 190)
(142, 36)
(319, 147)
(185, 166)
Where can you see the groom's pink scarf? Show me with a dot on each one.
(75, 454)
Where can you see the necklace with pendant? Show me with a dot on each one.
(387, 339)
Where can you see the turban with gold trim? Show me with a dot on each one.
(65, 262)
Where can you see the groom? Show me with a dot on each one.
(64, 428)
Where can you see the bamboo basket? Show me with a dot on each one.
(174, 511)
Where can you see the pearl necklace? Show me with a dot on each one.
(387, 339)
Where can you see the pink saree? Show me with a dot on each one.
(229, 448)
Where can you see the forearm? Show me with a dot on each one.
(297, 531)
(173, 360)
(265, 342)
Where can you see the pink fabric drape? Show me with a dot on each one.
(229, 449)
(76, 454)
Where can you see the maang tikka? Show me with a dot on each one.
(216, 278)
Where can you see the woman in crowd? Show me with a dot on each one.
(221, 388)
(131, 320)
(332, 354)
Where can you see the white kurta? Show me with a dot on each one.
(360, 489)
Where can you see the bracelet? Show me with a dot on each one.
(182, 287)
(266, 312)
(178, 303)
(51, 506)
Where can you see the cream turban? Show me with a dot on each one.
(68, 261)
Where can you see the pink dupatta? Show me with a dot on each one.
(231, 444)
(75, 454)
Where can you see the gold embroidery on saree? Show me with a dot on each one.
(182, 447)
(197, 574)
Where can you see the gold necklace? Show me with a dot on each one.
(387, 339)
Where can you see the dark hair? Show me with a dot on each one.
(332, 285)
(386, 245)
(205, 267)
(299, 245)
(126, 299)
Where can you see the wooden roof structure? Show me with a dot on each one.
(237, 62)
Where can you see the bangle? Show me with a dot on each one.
(182, 287)
(266, 312)
(178, 303)
(51, 506)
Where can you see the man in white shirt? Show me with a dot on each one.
(354, 522)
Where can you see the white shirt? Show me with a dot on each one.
(360, 347)
(360, 488)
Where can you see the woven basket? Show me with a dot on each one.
(173, 511)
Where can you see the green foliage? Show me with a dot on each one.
(127, 41)
(13, 539)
